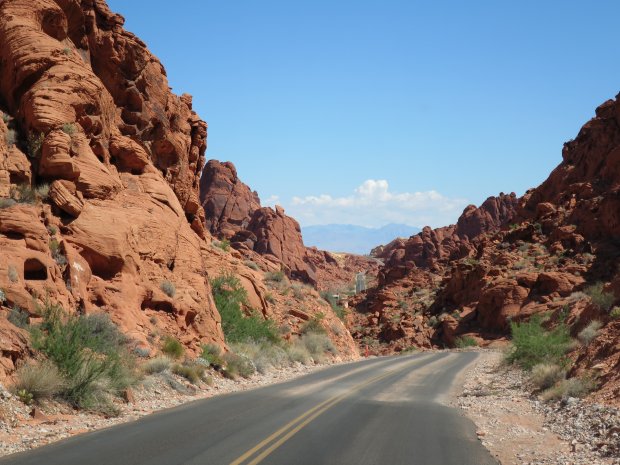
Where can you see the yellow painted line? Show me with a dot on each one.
(298, 423)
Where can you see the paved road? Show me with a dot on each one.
(383, 411)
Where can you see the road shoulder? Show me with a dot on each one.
(518, 429)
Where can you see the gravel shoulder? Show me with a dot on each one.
(517, 428)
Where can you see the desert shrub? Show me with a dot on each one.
(573, 387)
(264, 355)
(465, 341)
(66, 51)
(6, 118)
(318, 345)
(7, 203)
(68, 128)
(615, 313)
(270, 298)
(533, 344)
(546, 375)
(329, 297)
(10, 138)
(172, 347)
(229, 297)
(237, 365)
(23, 193)
(212, 354)
(314, 325)
(41, 380)
(599, 297)
(156, 365)
(18, 317)
(35, 142)
(56, 252)
(2, 296)
(90, 352)
(251, 264)
(42, 191)
(275, 276)
(224, 244)
(298, 291)
(168, 288)
(12, 274)
(193, 372)
(471, 261)
(587, 334)
(142, 352)
(297, 352)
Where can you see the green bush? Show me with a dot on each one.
(224, 244)
(615, 313)
(172, 347)
(90, 352)
(599, 297)
(465, 341)
(533, 344)
(156, 365)
(168, 288)
(545, 375)
(229, 297)
(587, 334)
(40, 380)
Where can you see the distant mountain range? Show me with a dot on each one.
(353, 239)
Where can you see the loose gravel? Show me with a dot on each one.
(518, 428)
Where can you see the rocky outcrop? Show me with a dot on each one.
(511, 259)
(432, 246)
(87, 111)
(228, 203)
(264, 235)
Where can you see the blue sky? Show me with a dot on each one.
(369, 112)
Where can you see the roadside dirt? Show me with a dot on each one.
(518, 429)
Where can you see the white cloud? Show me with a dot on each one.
(372, 204)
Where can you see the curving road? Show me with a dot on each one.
(381, 411)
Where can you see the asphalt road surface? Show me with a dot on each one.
(383, 411)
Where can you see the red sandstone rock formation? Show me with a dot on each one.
(512, 259)
(268, 236)
(87, 109)
(228, 202)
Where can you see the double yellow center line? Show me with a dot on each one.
(290, 429)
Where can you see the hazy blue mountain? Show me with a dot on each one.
(353, 239)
